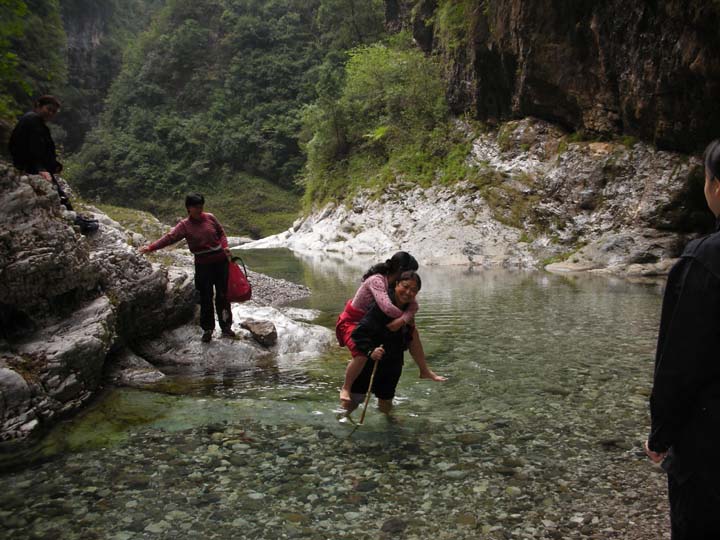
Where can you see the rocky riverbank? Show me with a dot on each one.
(536, 198)
(76, 307)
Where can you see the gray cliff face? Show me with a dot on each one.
(647, 69)
(67, 301)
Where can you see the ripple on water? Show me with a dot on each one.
(534, 435)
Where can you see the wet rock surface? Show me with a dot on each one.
(263, 332)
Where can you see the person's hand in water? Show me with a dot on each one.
(430, 374)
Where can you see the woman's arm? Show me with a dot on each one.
(175, 235)
(377, 285)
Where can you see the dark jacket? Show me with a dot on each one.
(32, 147)
(371, 332)
(685, 400)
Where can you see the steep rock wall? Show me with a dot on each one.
(646, 69)
(67, 301)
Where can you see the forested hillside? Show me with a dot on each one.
(70, 48)
(211, 98)
(96, 36)
(32, 60)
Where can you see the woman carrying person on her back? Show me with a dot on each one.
(377, 341)
(374, 291)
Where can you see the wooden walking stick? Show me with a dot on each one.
(367, 398)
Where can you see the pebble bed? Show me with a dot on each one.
(264, 481)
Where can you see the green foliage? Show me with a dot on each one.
(344, 24)
(32, 41)
(98, 33)
(390, 120)
(452, 20)
(211, 97)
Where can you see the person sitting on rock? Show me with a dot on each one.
(374, 290)
(207, 241)
(32, 147)
(375, 339)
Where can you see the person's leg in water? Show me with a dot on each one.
(385, 405)
(418, 355)
(354, 368)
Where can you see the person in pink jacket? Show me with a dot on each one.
(207, 241)
(374, 291)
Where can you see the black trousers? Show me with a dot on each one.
(208, 277)
(695, 507)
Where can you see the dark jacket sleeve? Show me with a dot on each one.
(688, 348)
(370, 331)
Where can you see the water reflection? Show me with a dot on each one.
(533, 436)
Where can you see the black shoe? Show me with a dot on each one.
(207, 336)
(227, 332)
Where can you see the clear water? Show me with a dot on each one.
(535, 434)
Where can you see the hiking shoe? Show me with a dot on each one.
(207, 336)
(227, 332)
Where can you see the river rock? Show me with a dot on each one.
(128, 369)
(60, 367)
(394, 525)
(538, 198)
(263, 332)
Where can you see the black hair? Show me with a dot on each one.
(712, 159)
(399, 262)
(411, 274)
(47, 100)
(194, 199)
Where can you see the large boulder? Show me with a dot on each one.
(45, 263)
(147, 297)
(56, 370)
(67, 300)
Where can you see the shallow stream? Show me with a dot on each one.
(535, 435)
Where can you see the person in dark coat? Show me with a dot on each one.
(385, 346)
(33, 149)
(685, 399)
(31, 145)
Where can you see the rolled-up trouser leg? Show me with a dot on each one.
(204, 285)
